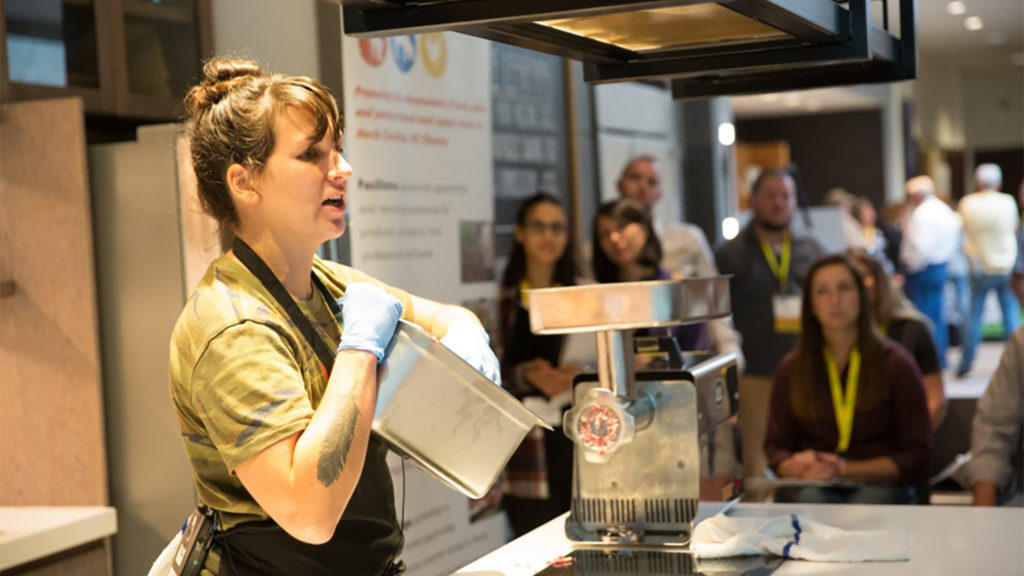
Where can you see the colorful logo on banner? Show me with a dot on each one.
(403, 52)
(433, 52)
(374, 50)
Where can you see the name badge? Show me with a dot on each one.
(786, 310)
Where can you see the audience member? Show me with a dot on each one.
(538, 479)
(628, 250)
(877, 236)
(845, 201)
(930, 240)
(897, 319)
(870, 424)
(685, 252)
(995, 472)
(769, 263)
(990, 229)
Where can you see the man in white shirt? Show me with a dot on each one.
(685, 249)
(990, 229)
(931, 238)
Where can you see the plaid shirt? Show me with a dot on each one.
(526, 475)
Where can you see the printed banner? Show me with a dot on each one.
(421, 211)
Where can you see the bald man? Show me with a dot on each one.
(931, 238)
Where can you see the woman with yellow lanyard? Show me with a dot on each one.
(848, 418)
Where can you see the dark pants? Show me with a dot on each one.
(525, 514)
(981, 284)
(870, 494)
(926, 289)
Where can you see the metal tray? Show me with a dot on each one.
(628, 305)
(450, 419)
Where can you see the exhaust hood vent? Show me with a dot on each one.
(706, 48)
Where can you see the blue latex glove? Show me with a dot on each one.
(370, 315)
(470, 341)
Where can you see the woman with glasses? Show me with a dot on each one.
(539, 475)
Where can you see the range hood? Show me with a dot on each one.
(704, 47)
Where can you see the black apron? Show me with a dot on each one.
(367, 540)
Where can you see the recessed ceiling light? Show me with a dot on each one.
(956, 8)
(973, 23)
(996, 38)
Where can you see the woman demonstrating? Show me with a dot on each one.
(628, 250)
(847, 404)
(898, 320)
(538, 480)
(275, 425)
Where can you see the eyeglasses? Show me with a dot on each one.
(537, 227)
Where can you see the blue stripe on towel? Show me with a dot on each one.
(796, 536)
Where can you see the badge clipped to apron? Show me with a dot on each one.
(196, 539)
(785, 307)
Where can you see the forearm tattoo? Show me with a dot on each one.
(340, 435)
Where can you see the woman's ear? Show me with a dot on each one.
(240, 183)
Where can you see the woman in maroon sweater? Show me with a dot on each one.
(847, 405)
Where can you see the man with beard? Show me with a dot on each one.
(768, 262)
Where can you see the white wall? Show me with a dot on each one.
(993, 100)
(634, 119)
(281, 36)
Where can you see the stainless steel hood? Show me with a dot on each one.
(705, 47)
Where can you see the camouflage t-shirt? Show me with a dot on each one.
(243, 377)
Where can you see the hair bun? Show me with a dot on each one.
(220, 75)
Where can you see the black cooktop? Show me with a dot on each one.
(626, 562)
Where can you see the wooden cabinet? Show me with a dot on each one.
(126, 58)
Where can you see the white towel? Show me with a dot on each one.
(793, 536)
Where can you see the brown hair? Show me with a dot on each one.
(625, 211)
(231, 115)
(809, 381)
(890, 303)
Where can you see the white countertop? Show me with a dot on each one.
(29, 533)
(951, 540)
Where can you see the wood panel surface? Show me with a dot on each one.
(52, 439)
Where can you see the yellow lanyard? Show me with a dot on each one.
(780, 269)
(524, 294)
(843, 406)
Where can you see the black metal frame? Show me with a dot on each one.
(890, 60)
(513, 22)
(826, 45)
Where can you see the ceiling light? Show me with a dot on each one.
(996, 38)
(973, 23)
(956, 8)
(726, 134)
